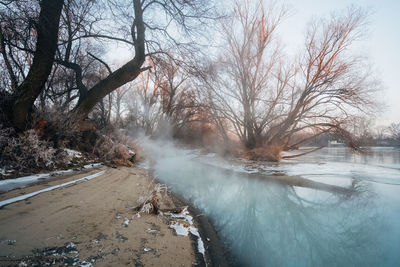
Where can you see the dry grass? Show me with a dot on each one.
(27, 153)
(115, 151)
(268, 153)
(150, 202)
(153, 202)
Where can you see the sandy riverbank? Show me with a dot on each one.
(85, 221)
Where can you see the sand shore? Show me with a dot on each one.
(91, 223)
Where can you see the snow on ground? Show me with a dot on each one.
(185, 226)
(73, 153)
(11, 184)
(22, 197)
(93, 165)
(180, 228)
(67, 255)
(126, 222)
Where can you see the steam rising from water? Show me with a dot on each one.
(264, 224)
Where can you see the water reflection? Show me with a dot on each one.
(376, 156)
(265, 224)
(274, 226)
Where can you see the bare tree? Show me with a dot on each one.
(178, 97)
(268, 102)
(18, 21)
(250, 81)
(119, 108)
(143, 104)
(394, 129)
(164, 101)
(46, 45)
(332, 85)
(80, 21)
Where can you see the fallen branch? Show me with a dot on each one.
(287, 180)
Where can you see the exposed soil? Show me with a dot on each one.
(86, 223)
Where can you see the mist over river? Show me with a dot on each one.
(265, 220)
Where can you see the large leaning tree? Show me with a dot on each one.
(63, 42)
(25, 93)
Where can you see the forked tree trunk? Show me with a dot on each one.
(116, 79)
(46, 45)
(125, 74)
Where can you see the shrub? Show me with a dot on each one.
(268, 153)
(118, 151)
(27, 153)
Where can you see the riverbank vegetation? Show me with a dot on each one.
(213, 74)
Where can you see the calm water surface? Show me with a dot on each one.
(263, 223)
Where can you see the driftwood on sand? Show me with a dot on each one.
(150, 202)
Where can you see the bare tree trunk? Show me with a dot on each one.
(43, 59)
(10, 71)
(125, 74)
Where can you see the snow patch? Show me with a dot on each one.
(126, 222)
(93, 165)
(70, 245)
(200, 244)
(151, 231)
(2, 171)
(180, 229)
(73, 153)
(185, 226)
(8, 242)
(86, 264)
(11, 184)
(22, 197)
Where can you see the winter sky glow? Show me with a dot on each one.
(380, 44)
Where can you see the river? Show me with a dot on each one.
(263, 221)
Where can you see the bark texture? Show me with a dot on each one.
(126, 73)
(47, 36)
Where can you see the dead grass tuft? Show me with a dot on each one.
(27, 152)
(150, 202)
(268, 153)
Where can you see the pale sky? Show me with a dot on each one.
(381, 45)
